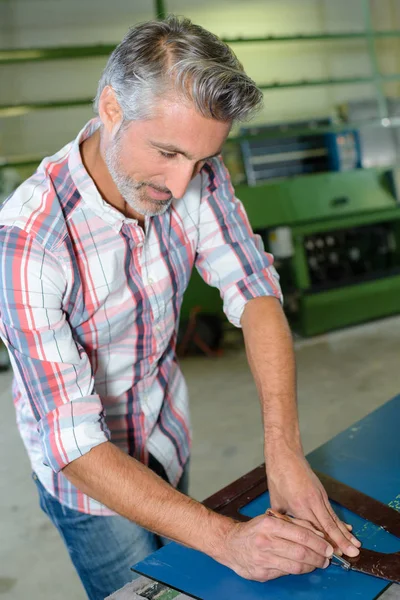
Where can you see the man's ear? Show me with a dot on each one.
(110, 111)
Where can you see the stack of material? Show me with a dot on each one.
(146, 589)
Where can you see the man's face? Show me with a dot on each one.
(152, 161)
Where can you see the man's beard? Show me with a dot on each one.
(133, 192)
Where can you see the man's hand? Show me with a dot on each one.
(266, 548)
(295, 489)
(261, 549)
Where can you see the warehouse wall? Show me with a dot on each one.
(30, 23)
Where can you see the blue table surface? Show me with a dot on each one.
(366, 456)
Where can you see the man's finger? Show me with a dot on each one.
(271, 574)
(344, 528)
(330, 525)
(290, 567)
(300, 535)
(346, 532)
(302, 522)
(307, 525)
(301, 554)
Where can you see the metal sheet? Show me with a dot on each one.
(367, 457)
(236, 496)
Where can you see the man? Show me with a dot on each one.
(97, 248)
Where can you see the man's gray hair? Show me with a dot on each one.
(175, 55)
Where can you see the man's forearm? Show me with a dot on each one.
(135, 492)
(269, 350)
(293, 487)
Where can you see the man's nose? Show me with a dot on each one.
(179, 178)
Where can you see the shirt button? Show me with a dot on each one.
(151, 280)
(158, 327)
(140, 245)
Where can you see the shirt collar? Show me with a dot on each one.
(85, 184)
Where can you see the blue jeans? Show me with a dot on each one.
(102, 549)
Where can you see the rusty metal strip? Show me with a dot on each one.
(379, 564)
(236, 489)
(231, 499)
(366, 507)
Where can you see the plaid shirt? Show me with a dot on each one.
(89, 310)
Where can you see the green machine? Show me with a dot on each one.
(335, 234)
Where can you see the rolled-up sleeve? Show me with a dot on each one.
(229, 255)
(52, 370)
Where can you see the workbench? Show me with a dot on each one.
(366, 456)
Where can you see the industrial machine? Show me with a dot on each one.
(271, 152)
(334, 228)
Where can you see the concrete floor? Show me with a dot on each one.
(342, 377)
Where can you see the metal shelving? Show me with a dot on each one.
(12, 110)
(21, 55)
(13, 56)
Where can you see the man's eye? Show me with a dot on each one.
(167, 154)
